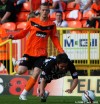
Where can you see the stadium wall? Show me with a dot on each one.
(13, 85)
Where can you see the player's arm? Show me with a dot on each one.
(55, 40)
(54, 5)
(22, 33)
(42, 86)
(74, 75)
(6, 16)
(45, 76)
(42, 83)
(73, 86)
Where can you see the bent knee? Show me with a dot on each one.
(22, 70)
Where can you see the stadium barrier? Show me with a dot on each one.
(81, 45)
(6, 56)
(14, 85)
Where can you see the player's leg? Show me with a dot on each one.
(21, 70)
(23, 64)
(31, 82)
(37, 63)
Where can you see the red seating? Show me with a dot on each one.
(70, 6)
(84, 23)
(21, 25)
(9, 26)
(87, 14)
(26, 6)
(22, 16)
(74, 24)
(67, 16)
(53, 16)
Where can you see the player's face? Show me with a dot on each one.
(58, 17)
(62, 66)
(44, 11)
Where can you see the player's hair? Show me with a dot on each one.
(62, 58)
(59, 12)
(45, 4)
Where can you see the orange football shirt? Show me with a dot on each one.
(37, 40)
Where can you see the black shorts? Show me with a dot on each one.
(31, 62)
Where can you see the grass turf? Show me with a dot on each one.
(9, 99)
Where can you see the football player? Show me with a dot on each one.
(55, 68)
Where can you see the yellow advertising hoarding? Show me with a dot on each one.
(76, 45)
(85, 83)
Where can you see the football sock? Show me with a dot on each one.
(31, 82)
(24, 92)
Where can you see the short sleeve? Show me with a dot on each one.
(72, 70)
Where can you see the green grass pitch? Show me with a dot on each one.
(9, 99)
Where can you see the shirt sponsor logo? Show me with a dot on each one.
(41, 34)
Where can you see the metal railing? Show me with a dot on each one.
(10, 53)
(89, 35)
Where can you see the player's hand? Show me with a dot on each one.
(10, 37)
(69, 91)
